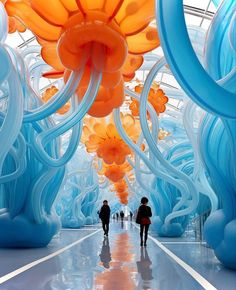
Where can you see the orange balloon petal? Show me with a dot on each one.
(87, 5)
(33, 21)
(20, 26)
(109, 7)
(134, 16)
(11, 25)
(144, 41)
(100, 130)
(47, 11)
(132, 63)
(111, 131)
(50, 56)
(70, 5)
(94, 139)
(112, 7)
(128, 78)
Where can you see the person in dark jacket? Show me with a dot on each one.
(122, 216)
(104, 215)
(143, 218)
(131, 215)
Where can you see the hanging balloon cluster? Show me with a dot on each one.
(101, 137)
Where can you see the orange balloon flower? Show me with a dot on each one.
(110, 36)
(49, 93)
(101, 136)
(156, 97)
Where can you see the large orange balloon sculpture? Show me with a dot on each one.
(74, 34)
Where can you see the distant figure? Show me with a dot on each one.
(104, 215)
(117, 216)
(143, 218)
(131, 216)
(144, 268)
(122, 216)
(105, 255)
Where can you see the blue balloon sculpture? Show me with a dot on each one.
(212, 88)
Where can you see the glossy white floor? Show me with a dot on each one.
(83, 259)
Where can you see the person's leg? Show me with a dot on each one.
(146, 234)
(141, 235)
(107, 228)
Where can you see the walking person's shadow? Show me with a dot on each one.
(105, 255)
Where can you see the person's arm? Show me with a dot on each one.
(149, 212)
(100, 213)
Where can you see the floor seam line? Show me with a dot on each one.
(195, 275)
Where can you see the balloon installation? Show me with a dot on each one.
(117, 120)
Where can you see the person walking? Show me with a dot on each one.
(122, 216)
(143, 218)
(131, 216)
(104, 215)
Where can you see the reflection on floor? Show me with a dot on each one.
(111, 263)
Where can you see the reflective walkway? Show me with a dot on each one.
(84, 260)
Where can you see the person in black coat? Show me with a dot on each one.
(143, 218)
(104, 215)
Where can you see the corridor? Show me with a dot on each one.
(84, 259)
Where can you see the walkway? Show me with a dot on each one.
(84, 260)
